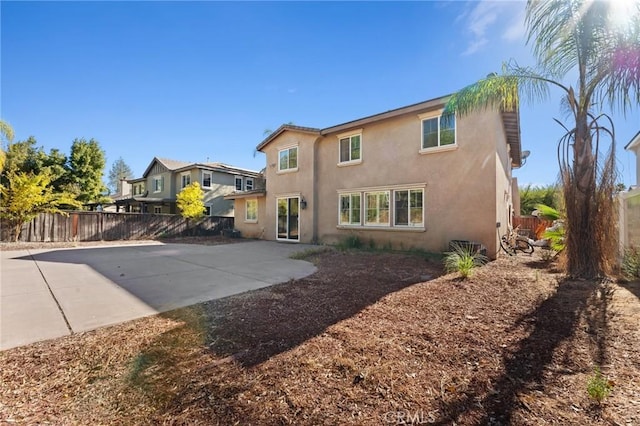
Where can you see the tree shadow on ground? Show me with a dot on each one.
(219, 341)
(553, 322)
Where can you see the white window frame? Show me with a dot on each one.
(437, 115)
(205, 173)
(350, 196)
(185, 177)
(366, 208)
(349, 136)
(248, 219)
(158, 179)
(248, 184)
(157, 209)
(409, 208)
(287, 197)
(235, 183)
(289, 169)
(208, 206)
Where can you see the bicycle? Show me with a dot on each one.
(513, 242)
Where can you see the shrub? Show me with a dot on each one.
(598, 386)
(350, 242)
(463, 259)
(631, 263)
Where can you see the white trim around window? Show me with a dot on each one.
(207, 210)
(390, 208)
(288, 159)
(350, 148)
(251, 210)
(185, 179)
(158, 183)
(441, 131)
(207, 176)
(248, 184)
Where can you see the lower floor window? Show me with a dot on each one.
(350, 209)
(408, 207)
(157, 209)
(390, 208)
(377, 208)
(251, 210)
(207, 210)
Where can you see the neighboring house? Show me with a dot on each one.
(156, 190)
(629, 225)
(405, 178)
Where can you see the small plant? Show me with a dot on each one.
(310, 252)
(350, 242)
(631, 263)
(463, 259)
(598, 386)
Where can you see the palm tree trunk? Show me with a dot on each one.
(583, 251)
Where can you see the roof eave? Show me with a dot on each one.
(511, 123)
(634, 143)
(284, 128)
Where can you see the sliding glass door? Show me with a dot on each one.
(288, 220)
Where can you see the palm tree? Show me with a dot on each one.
(586, 38)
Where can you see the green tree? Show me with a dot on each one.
(576, 37)
(29, 194)
(119, 170)
(6, 134)
(86, 167)
(190, 201)
(530, 196)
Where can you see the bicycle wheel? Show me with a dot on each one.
(506, 247)
(524, 246)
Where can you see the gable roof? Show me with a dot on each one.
(510, 121)
(284, 128)
(178, 166)
(634, 143)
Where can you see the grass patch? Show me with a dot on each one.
(310, 252)
(463, 260)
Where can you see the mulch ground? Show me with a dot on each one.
(371, 338)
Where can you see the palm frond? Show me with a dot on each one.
(503, 91)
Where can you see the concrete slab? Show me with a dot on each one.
(98, 286)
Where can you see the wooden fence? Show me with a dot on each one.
(529, 225)
(97, 226)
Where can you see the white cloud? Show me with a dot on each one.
(516, 29)
(486, 17)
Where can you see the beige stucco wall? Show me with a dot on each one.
(467, 190)
(250, 229)
(290, 184)
(459, 184)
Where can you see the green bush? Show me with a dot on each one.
(599, 387)
(463, 259)
(350, 242)
(631, 263)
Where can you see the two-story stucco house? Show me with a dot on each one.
(629, 220)
(406, 178)
(156, 190)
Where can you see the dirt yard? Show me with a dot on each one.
(371, 338)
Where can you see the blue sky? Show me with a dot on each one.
(198, 81)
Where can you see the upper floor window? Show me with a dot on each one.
(158, 183)
(288, 159)
(439, 131)
(350, 148)
(206, 179)
(186, 179)
(238, 183)
(207, 210)
(135, 189)
(248, 184)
